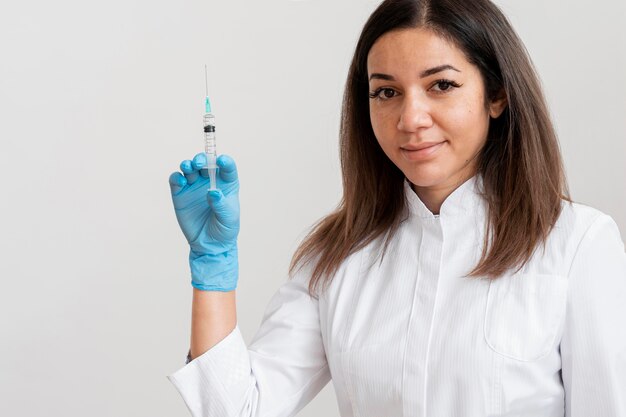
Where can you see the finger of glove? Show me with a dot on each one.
(200, 162)
(227, 168)
(188, 169)
(218, 204)
(177, 182)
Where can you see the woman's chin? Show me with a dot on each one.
(425, 178)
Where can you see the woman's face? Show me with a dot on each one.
(428, 95)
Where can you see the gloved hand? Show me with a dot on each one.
(209, 220)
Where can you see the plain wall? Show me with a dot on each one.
(101, 101)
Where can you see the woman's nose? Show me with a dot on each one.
(415, 114)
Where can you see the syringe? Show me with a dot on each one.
(209, 137)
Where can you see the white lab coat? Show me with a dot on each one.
(411, 337)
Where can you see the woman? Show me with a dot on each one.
(458, 277)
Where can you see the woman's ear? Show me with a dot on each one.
(497, 106)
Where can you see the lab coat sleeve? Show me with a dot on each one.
(281, 370)
(593, 346)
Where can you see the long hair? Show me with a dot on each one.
(521, 166)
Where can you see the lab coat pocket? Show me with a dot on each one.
(524, 314)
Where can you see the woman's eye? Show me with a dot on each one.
(387, 93)
(445, 85)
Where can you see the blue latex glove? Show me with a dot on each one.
(209, 220)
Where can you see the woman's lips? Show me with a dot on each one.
(421, 154)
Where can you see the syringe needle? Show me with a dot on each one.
(206, 80)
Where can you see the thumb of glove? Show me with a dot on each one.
(223, 212)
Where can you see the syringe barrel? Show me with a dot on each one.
(209, 140)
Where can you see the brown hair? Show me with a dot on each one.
(520, 163)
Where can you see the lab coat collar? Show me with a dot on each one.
(463, 201)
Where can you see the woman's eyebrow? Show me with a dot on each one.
(425, 73)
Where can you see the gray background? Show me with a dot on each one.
(99, 103)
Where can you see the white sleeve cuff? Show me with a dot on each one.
(215, 382)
